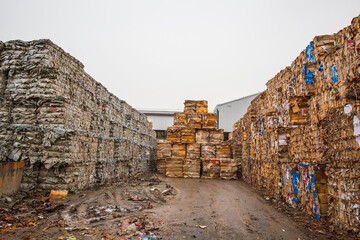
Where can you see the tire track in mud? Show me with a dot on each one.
(228, 209)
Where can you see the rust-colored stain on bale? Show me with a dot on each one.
(10, 177)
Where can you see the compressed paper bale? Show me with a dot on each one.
(228, 168)
(324, 45)
(3, 81)
(208, 150)
(187, 135)
(210, 168)
(174, 134)
(163, 150)
(192, 168)
(300, 120)
(271, 180)
(190, 107)
(67, 121)
(210, 121)
(195, 120)
(299, 110)
(202, 136)
(223, 150)
(178, 150)
(161, 165)
(216, 136)
(174, 167)
(180, 119)
(193, 151)
(202, 106)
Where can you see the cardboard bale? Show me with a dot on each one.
(163, 150)
(305, 186)
(202, 136)
(223, 150)
(202, 106)
(180, 119)
(190, 107)
(210, 121)
(195, 120)
(194, 136)
(174, 167)
(298, 110)
(300, 137)
(67, 128)
(228, 168)
(178, 150)
(192, 168)
(208, 150)
(271, 178)
(174, 134)
(193, 151)
(161, 165)
(210, 168)
(187, 135)
(216, 136)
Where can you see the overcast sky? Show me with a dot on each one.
(156, 54)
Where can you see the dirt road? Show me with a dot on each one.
(228, 209)
(156, 207)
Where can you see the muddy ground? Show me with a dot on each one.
(154, 207)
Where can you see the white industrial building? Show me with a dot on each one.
(230, 112)
(161, 120)
(227, 114)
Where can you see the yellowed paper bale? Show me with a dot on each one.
(174, 134)
(210, 168)
(178, 150)
(161, 165)
(202, 136)
(163, 150)
(180, 119)
(228, 168)
(190, 107)
(193, 150)
(187, 135)
(174, 167)
(223, 150)
(208, 150)
(216, 136)
(195, 120)
(202, 106)
(192, 168)
(210, 121)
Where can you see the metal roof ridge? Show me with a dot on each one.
(238, 99)
(158, 110)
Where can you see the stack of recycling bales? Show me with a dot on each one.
(195, 147)
(300, 138)
(70, 132)
(163, 152)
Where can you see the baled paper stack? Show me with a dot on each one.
(193, 136)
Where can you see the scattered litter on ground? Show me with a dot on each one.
(116, 212)
(201, 226)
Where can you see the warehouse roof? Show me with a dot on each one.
(236, 100)
(158, 111)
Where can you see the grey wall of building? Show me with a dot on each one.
(161, 122)
(230, 112)
(161, 119)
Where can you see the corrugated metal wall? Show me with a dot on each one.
(230, 112)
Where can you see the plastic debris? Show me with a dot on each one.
(201, 226)
(56, 194)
